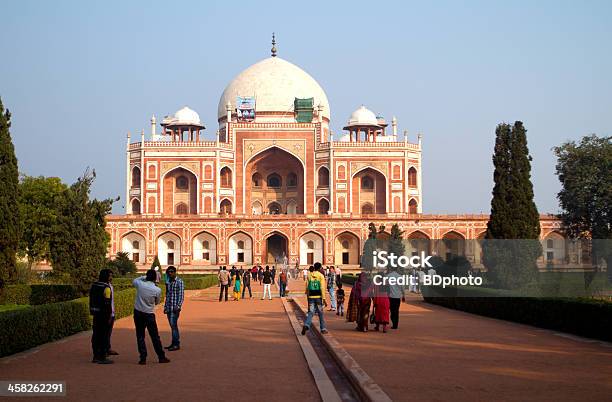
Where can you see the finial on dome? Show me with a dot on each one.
(273, 50)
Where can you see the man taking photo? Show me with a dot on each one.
(147, 296)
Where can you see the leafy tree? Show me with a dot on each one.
(396, 241)
(38, 202)
(369, 248)
(122, 264)
(372, 231)
(78, 246)
(514, 214)
(9, 207)
(584, 171)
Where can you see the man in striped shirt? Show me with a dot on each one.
(175, 295)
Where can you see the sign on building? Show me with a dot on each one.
(245, 108)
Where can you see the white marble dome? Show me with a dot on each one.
(187, 116)
(275, 83)
(363, 117)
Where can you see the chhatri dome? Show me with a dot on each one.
(183, 117)
(363, 117)
(275, 83)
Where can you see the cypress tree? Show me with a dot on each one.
(525, 216)
(514, 216)
(9, 206)
(499, 225)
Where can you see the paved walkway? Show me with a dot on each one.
(247, 350)
(239, 351)
(439, 354)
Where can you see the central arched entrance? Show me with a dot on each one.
(276, 249)
(274, 183)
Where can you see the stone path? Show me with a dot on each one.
(240, 351)
(439, 354)
(247, 351)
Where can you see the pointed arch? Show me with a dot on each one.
(169, 248)
(323, 177)
(312, 246)
(413, 206)
(134, 243)
(136, 177)
(412, 177)
(204, 248)
(240, 246)
(196, 198)
(323, 206)
(346, 248)
(452, 244)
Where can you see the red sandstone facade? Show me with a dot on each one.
(276, 187)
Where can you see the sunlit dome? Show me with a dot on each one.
(275, 83)
(183, 117)
(186, 115)
(363, 117)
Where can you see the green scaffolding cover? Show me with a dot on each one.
(303, 109)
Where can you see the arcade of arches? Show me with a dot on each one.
(205, 249)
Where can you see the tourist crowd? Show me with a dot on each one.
(368, 304)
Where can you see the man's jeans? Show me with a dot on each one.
(144, 321)
(223, 289)
(173, 317)
(282, 287)
(332, 298)
(245, 287)
(315, 305)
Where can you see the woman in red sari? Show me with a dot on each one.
(381, 307)
(364, 299)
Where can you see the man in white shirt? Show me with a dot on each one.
(147, 296)
(396, 295)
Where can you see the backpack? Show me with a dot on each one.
(314, 287)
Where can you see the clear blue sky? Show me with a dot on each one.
(78, 75)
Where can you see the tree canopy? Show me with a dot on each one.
(79, 244)
(38, 208)
(584, 171)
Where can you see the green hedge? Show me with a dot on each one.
(191, 282)
(349, 279)
(38, 294)
(200, 282)
(27, 327)
(585, 317)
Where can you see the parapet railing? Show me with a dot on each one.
(178, 144)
